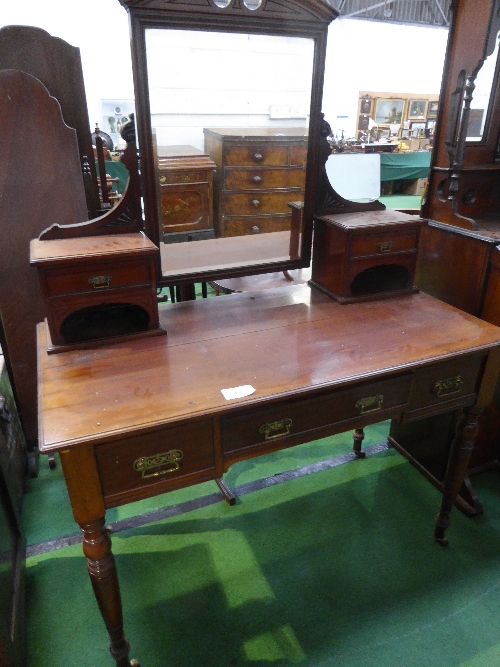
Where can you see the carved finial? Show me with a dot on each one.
(128, 130)
(97, 130)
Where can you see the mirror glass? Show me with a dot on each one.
(229, 117)
(481, 98)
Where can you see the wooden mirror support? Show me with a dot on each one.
(98, 278)
(126, 216)
(361, 251)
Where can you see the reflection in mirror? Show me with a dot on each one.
(229, 115)
(481, 99)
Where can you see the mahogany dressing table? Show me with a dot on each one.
(138, 418)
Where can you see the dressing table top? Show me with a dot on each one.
(283, 342)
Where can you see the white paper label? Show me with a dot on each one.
(237, 392)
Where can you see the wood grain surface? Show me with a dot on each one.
(282, 342)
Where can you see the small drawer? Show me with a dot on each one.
(265, 203)
(183, 177)
(252, 155)
(449, 381)
(263, 179)
(383, 244)
(157, 459)
(97, 277)
(255, 225)
(261, 426)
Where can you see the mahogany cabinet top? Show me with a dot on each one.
(283, 342)
(90, 247)
(368, 219)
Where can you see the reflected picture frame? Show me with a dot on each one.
(388, 111)
(417, 109)
(432, 109)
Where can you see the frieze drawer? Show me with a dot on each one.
(162, 458)
(449, 381)
(91, 278)
(183, 177)
(382, 244)
(289, 419)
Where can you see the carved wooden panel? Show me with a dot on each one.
(40, 182)
(58, 66)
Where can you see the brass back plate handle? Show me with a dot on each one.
(100, 282)
(447, 387)
(384, 246)
(369, 404)
(158, 464)
(276, 429)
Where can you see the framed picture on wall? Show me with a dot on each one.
(366, 106)
(363, 122)
(417, 109)
(433, 109)
(429, 128)
(388, 111)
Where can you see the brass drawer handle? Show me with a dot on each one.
(448, 387)
(255, 203)
(369, 404)
(276, 429)
(258, 157)
(100, 282)
(257, 179)
(148, 465)
(384, 246)
(163, 179)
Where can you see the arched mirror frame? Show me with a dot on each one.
(296, 18)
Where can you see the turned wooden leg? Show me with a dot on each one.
(458, 461)
(358, 435)
(102, 570)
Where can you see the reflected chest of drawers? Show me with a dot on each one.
(259, 171)
(186, 185)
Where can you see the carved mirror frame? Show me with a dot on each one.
(464, 175)
(295, 18)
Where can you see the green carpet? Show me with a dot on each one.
(401, 201)
(337, 568)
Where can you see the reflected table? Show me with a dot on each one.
(139, 418)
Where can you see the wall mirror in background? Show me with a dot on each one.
(228, 97)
